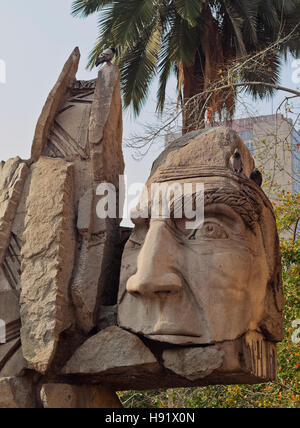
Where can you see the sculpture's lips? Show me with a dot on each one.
(176, 339)
(171, 328)
(170, 333)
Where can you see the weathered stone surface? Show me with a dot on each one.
(11, 266)
(4, 284)
(16, 393)
(54, 101)
(12, 179)
(222, 276)
(19, 220)
(83, 178)
(260, 356)
(68, 136)
(193, 363)
(86, 212)
(9, 306)
(107, 317)
(10, 314)
(15, 365)
(63, 396)
(86, 282)
(95, 273)
(105, 129)
(113, 350)
(200, 151)
(7, 350)
(48, 257)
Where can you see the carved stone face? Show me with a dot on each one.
(207, 285)
(194, 286)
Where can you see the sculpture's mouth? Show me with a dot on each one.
(171, 333)
(176, 339)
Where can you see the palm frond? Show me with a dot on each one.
(237, 22)
(138, 67)
(126, 24)
(267, 72)
(85, 8)
(189, 10)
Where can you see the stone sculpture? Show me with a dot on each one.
(219, 286)
(58, 260)
(190, 308)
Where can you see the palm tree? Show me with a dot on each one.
(195, 38)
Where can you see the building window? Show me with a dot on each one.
(247, 137)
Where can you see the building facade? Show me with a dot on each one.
(275, 145)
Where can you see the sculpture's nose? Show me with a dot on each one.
(157, 266)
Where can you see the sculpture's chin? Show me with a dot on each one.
(176, 340)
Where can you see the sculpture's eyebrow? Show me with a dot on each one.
(243, 202)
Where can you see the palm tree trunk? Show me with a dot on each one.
(199, 77)
(193, 113)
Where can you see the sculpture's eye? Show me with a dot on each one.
(210, 230)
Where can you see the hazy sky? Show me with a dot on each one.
(36, 38)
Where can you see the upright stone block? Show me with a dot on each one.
(12, 178)
(48, 258)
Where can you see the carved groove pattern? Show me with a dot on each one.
(60, 143)
(263, 358)
(12, 263)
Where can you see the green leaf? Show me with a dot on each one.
(189, 10)
(87, 7)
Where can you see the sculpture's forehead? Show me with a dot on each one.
(210, 152)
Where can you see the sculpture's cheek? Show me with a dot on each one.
(229, 285)
(222, 289)
(225, 267)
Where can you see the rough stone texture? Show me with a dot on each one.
(12, 178)
(15, 366)
(16, 393)
(107, 317)
(260, 356)
(86, 282)
(200, 151)
(224, 277)
(48, 257)
(54, 101)
(7, 350)
(63, 396)
(4, 284)
(123, 351)
(95, 274)
(11, 267)
(85, 213)
(10, 314)
(68, 136)
(9, 306)
(19, 220)
(193, 363)
(105, 129)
